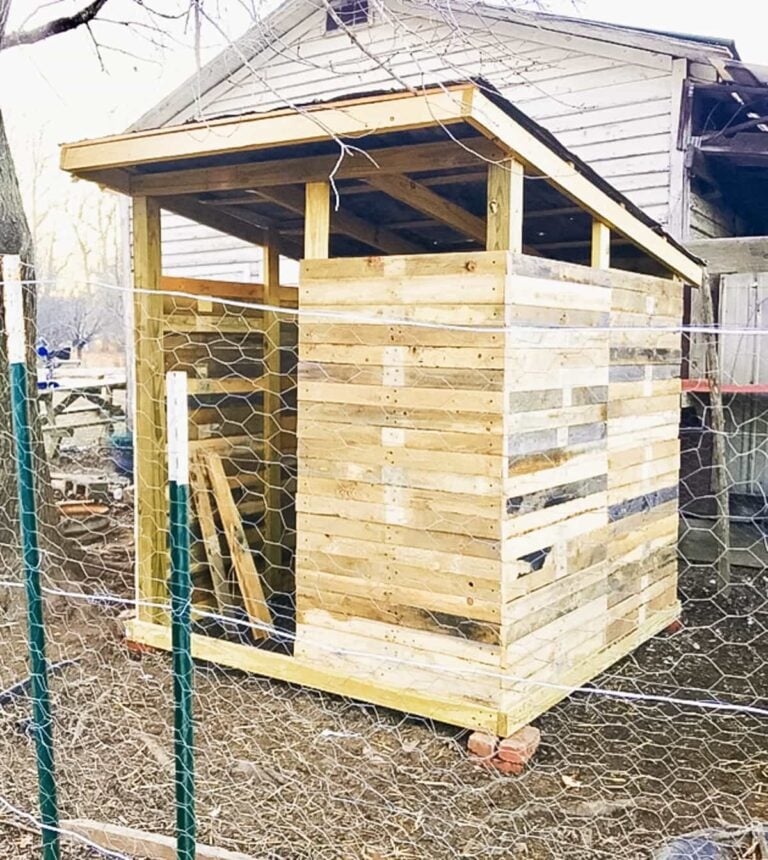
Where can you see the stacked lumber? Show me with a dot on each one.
(221, 344)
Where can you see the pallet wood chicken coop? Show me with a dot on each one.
(464, 491)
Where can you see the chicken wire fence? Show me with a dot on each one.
(346, 510)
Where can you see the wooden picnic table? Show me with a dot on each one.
(79, 392)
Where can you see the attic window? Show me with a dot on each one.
(346, 13)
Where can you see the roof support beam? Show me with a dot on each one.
(317, 221)
(504, 224)
(601, 245)
(445, 155)
(563, 175)
(344, 222)
(421, 198)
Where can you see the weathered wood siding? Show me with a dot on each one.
(591, 486)
(712, 219)
(495, 503)
(191, 250)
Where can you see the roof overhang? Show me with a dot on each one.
(116, 161)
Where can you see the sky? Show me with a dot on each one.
(745, 20)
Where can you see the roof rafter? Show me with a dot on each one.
(423, 199)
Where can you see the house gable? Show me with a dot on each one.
(610, 94)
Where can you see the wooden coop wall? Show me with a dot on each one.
(592, 410)
(238, 500)
(492, 506)
(400, 460)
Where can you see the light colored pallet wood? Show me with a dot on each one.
(364, 597)
(323, 677)
(403, 398)
(201, 501)
(242, 558)
(415, 355)
(521, 704)
(149, 421)
(139, 843)
(434, 582)
(399, 476)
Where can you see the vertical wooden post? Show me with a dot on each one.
(719, 456)
(273, 473)
(317, 220)
(601, 245)
(504, 225)
(149, 421)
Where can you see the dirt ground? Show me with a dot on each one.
(289, 773)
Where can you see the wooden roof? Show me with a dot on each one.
(365, 138)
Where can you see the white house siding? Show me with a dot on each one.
(612, 105)
(193, 251)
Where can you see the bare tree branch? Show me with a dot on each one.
(51, 28)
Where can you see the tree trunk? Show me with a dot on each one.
(15, 238)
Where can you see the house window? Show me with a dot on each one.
(346, 13)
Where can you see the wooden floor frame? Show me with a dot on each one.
(284, 667)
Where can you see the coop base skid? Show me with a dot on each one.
(283, 667)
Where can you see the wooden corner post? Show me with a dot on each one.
(317, 220)
(504, 226)
(273, 532)
(149, 421)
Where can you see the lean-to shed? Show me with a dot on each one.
(464, 491)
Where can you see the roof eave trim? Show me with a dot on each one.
(564, 175)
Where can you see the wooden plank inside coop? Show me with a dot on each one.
(242, 558)
(201, 501)
(240, 290)
(228, 385)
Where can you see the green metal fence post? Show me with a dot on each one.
(41, 706)
(181, 597)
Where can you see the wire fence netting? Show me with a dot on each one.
(477, 514)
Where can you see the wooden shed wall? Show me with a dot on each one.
(499, 506)
(591, 486)
(400, 459)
